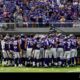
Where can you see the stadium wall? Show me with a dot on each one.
(64, 30)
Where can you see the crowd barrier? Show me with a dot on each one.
(13, 25)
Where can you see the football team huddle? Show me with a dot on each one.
(39, 50)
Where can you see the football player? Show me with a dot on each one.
(1, 48)
(4, 54)
(67, 52)
(47, 52)
(29, 58)
(11, 50)
(37, 46)
(42, 51)
(60, 51)
(23, 48)
(17, 50)
(73, 49)
(53, 51)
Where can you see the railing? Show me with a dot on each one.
(37, 24)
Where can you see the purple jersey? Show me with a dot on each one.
(60, 43)
(30, 43)
(47, 43)
(11, 45)
(7, 47)
(73, 44)
(38, 45)
(67, 45)
(23, 41)
(42, 43)
(53, 43)
(16, 47)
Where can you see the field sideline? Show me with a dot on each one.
(26, 69)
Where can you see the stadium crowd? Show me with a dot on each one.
(39, 11)
(53, 49)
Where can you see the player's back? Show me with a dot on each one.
(67, 45)
(38, 45)
(73, 43)
(16, 48)
(23, 42)
(11, 45)
(3, 44)
(30, 43)
(60, 43)
(7, 47)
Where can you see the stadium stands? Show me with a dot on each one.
(38, 11)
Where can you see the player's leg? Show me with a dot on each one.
(43, 57)
(41, 54)
(7, 55)
(9, 58)
(28, 56)
(61, 56)
(75, 57)
(50, 57)
(24, 57)
(46, 58)
(15, 59)
(0, 56)
(68, 58)
(20, 57)
(26, 61)
(12, 59)
(55, 56)
(4, 54)
(31, 58)
(34, 58)
(58, 55)
(64, 58)
(38, 58)
(72, 57)
(52, 53)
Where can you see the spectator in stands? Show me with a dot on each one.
(18, 16)
(40, 21)
(34, 11)
(62, 21)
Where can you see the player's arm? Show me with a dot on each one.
(78, 44)
(9, 48)
(19, 46)
(50, 45)
(33, 48)
(56, 43)
(25, 45)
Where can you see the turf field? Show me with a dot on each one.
(25, 69)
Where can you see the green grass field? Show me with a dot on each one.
(26, 69)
